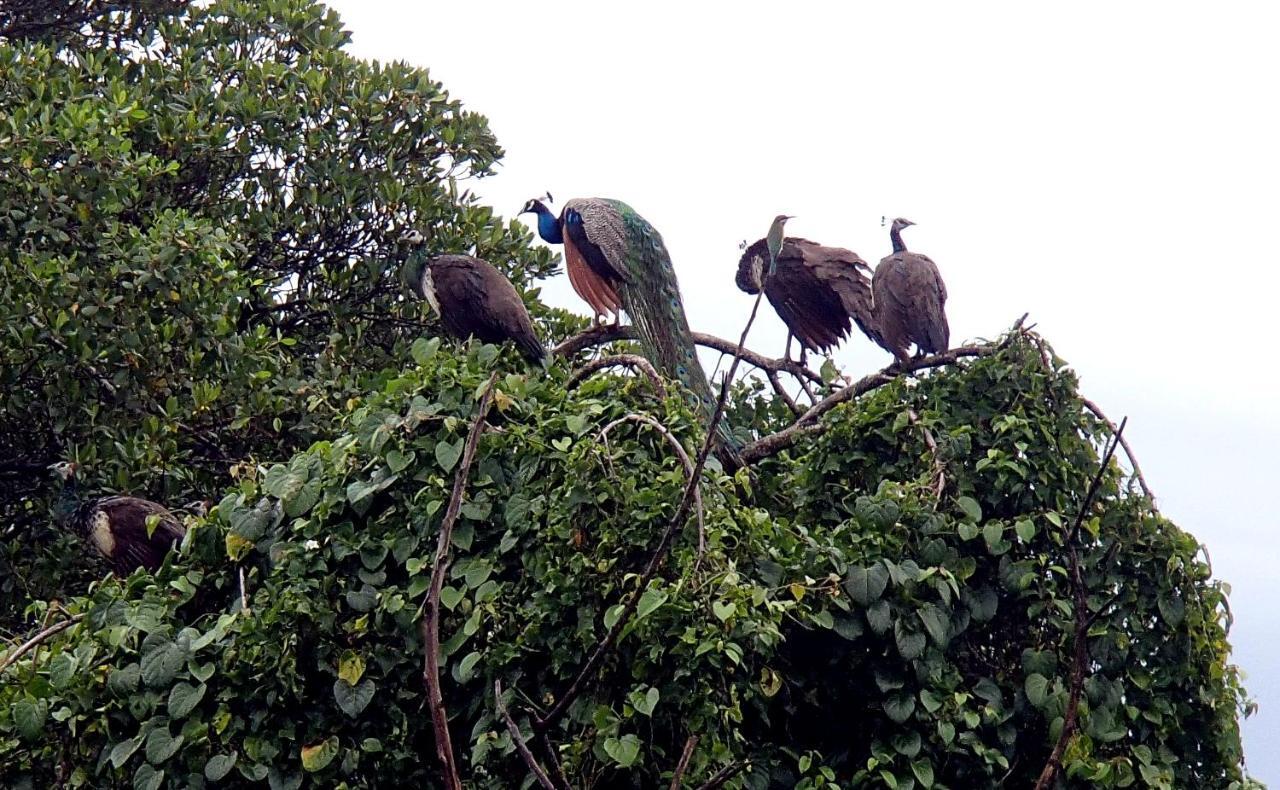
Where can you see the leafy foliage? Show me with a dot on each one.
(199, 302)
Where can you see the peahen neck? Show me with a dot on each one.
(548, 225)
(68, 502)
(895, 235)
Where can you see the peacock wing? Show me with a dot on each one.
(928, 297)
(127, 543)
(889, 289)
(597, 228)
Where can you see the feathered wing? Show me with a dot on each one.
(126, 518)
(817, 291)
(477, 300)
(910, 300)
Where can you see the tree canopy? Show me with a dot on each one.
(198, 206)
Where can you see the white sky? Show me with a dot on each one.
(1111, 168)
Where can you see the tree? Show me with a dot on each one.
(907, 587)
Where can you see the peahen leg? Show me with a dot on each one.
(786, 354)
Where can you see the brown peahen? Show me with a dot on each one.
(910, 300)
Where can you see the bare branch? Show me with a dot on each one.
(680, 453)
(518, 740)
(244, 598)
(683, 765)
(1124, 443)
(782, 393)
(1082, 620)
(600, 335)
(431, 616)
(939, 466)
(807, 422)
(602, 647)
(633, 361)
(723, 775)
(36, 640)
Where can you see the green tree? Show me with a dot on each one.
(197, 209)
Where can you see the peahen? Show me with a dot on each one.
(617, 261)
(818, 292)
(471, 297)
(910, 300)
(129, 532)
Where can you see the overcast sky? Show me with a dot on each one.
(1110, 168)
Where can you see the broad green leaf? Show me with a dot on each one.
(219, 766)
(161, 660)
(899, 706)
(183, 698)
(1037, 688)
(970, 508)
(318, 756)
(353, 699)
(30, 717)
(649, 602)
(866, 585)
(448, 453)
(161, 745)
(623, 751)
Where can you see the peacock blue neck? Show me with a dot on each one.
(548, 225)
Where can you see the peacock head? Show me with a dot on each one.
(65, 470)
(548, 224)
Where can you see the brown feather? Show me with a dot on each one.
(818, 292)
(910, 304)
(476, 300)
(129, 546)
(594, 289)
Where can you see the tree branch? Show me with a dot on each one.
(1124, 443)
(518, 740)
(939, 466)
(680, 453)
(683, 765)
(723, 775)
(633, 361)
(36, 640)
(602, 647)
(431, 617)
(807, 422)
(1082, 617)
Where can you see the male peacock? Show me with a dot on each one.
(617, 261)
(471, 297)
(129, 532)
(818, 292)
(910, 300)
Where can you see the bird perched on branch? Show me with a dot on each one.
(910, 300)
(818, 292)
(129, 532)
(471, 298)
(618, 261)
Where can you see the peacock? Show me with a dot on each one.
(617, 261)
(129, 532)
(471, 297)
(910, 300)
(818, 292)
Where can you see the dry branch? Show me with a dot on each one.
(601, 335)
(1083, 619)
(518, 740)
(723, 775)
(939, 465)
(633, 361)
(683, 765)
(431, 617)
(36, 640)
(1124, 444)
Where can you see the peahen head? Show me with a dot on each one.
(899, 224)
(65, 506)
(413, 242)
(775, 238)
(548, 223)
(895, 233)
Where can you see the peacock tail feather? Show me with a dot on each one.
(651, 296)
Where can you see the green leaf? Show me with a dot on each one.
(1037, 688)
(923, 769)
(879, 616)
(992, 533)
(623, 751)
(935, 623)
(397, 460)
(318, 756)
(971, 509)
(161, 745)
(650, 601)
(900, 706)
(219, 766)
(424, 349)
(448, 453)
(351, 667)
(124, 681)
(907, 744)
(1026, 529)
(644, 703)
(161, 660)
(183, 698)
(450, 597)
(910, 643)
(723, 610)
(465, 668)
(30, 716)
(866, 585)
(122, 751)
(148, 778)
(352, 700)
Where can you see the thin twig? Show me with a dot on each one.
(1082, 618)
(807, 422)
(782, 393)
(683, 765)
(244, 598)
(723, 775)
(601, 335)
(431, 616)
(939, 466)
(633, 361)
(518, 740)
(602, 647)
(553, 760)
(36, 640)
(685, 461)
(1124, 444)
